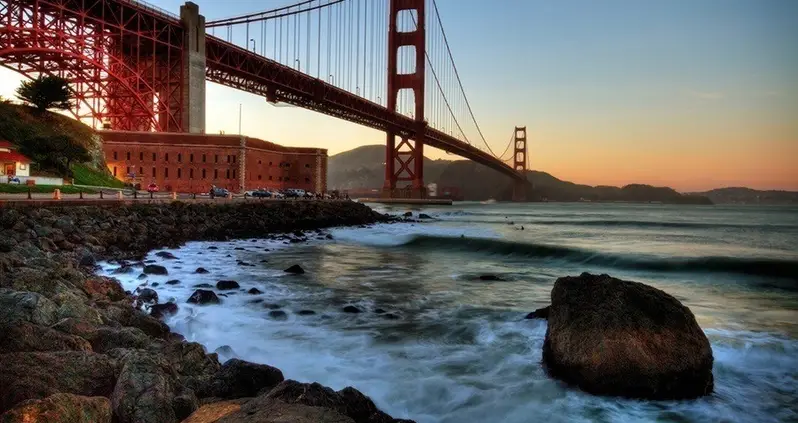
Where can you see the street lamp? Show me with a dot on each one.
(332, 79)
(254, 50)
(298, 65)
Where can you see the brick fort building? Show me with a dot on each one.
(192, 163)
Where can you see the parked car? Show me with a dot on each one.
(261, 194)
(309, 195)
(294, 193)
(218, 192)
(277, 194)
(152, 188)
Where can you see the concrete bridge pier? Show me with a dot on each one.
(519, 191)
(193, 69)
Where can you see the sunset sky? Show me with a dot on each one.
(693, 94)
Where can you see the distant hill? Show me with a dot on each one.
(739, 195)
(363, 168)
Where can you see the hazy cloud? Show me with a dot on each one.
(768, 93)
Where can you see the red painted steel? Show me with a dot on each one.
(519, 163)
(125, 62)
(408, 154)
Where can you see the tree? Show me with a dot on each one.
(46, 92)
(58, 152)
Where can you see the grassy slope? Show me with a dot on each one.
(18, 189)
(19, 123)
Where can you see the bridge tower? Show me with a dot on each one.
(519, 162)
(404, 161)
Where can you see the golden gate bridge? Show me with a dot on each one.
(384, 64)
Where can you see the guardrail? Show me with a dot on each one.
(128, 195)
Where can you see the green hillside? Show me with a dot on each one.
(25, 128)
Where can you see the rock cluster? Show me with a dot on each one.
(74, 348)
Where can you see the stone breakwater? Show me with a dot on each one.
(74, 349)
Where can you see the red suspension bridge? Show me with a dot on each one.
(384, 64)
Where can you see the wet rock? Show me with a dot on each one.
(61, 408)
(240, 249)
(201, 271)
(155, 269)
(278, 315)
(225, 350)
(121, 314)
(213, 247)
(239, 378)
(352, 309)
(490, 278)
(203, 296)
(203, 285)
(663, 353)
(142, 276)
(25, 336)
(379, 310)
(26, 306)
(159, 311)
(86, 258)
(424, 216)
(166, 255)
(148, 295)
(408, 214)
(256, 301)
(390, 316)
(295, 269)
(173, 282)
(227, 285)
(306, 312)
(143, 393)
(272, 306)
(541, 313)
(254, 291)
(329, 236)
(35, 375)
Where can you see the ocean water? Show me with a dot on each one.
(459, 349)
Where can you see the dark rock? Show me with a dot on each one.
(329, 236)
(86, 258)
(166, 255)
(490, 278)
(352, 309)
(256, 301)
(148, 295)
(240, 249)
(541, 313)
(295, 269)
(154, 269)
(238, 379)
(278, 314)
(142, 276)
(143, 392)
(254, 291)
(408, 214)
(26, 306)
(201, 271)
(203, 296)
(35, 375)
(379, 310)
(424, 216)
(662, 353)
(104, 339)
(184, 405)
(213, 247)
(124, 315)
(272, 306)
(203, 285)
(225, 350)
(158, 311)
(173, 282)
(154, 284)
(62, 408)
(25, 336)
(306, 312)
(348, 401)
(390, 316)
(227, 285)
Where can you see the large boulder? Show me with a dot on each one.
(239, 378)
(61, 408)
(613, 337)
(203, 296)
(34, 375)
(155, 269)
(26, 306)
(144, 391)
(348, 401)
(103, 288)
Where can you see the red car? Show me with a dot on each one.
(152, 188)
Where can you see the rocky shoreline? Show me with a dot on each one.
(75, 349)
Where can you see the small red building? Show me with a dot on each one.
(185, 162)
